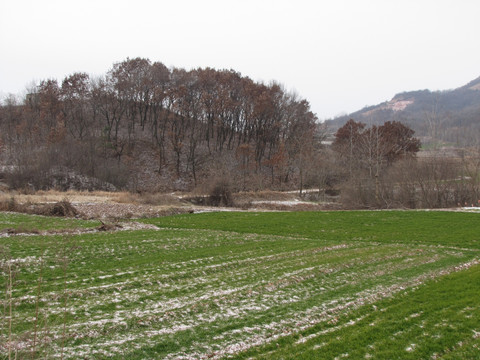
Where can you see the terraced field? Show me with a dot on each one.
(327, 285)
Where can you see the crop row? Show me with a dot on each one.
(179, 293)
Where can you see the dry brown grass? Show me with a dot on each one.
(53, 196)
(61, 208)
(111, 205)
(98, 204)
(93, 205)
(156, 199)
(101, 197)
(160, 199)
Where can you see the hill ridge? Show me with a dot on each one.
(436, 116)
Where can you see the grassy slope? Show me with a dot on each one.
(298, 280)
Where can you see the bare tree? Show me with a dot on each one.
(75, 97)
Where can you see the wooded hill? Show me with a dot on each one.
(146, 127)
(436, 116)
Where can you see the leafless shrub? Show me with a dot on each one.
(63, 208)
(221, 194)
(358, 192)
(433, 182)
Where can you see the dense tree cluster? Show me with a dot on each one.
(197, 124)
(380, 169)
(376, 147)
(366, 153)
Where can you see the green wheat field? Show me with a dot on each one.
(242, 285)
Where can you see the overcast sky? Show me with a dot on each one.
(340, 55)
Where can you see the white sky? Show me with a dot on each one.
(340, 55)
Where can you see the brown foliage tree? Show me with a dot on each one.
(190, 118)
(368, 151)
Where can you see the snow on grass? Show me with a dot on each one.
(410, 348)
(217, 293)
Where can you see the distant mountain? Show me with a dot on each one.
(436, 116)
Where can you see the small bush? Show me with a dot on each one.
(221, 194)
(62, 209)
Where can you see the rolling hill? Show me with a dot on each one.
(451, 116)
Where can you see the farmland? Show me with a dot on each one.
(367, 284)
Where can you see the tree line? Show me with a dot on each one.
(145, 127)
(193, 123)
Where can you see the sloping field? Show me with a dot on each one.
(327, 285)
